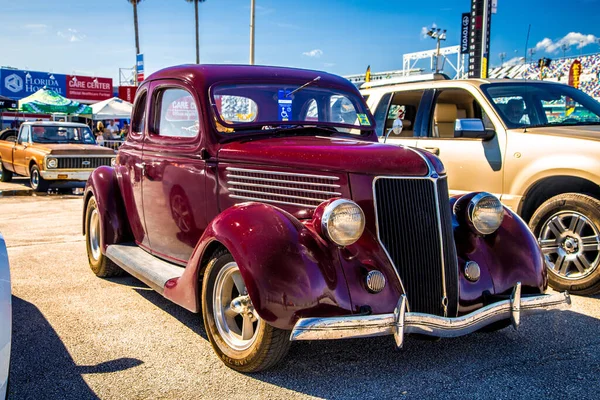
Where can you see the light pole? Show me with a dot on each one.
(502, 57)
(564, 48)
(439, 35)
(531, 53)
(252, 7)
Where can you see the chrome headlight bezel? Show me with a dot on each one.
(51, 163)
(331, 222)
(113, 161)
(485, 203)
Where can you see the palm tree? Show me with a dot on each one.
(135, 25)
(197, 28)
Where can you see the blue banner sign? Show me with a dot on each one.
(17, 84)
(139, 66)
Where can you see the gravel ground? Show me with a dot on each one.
(80, 337)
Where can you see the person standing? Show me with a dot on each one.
(112, 130)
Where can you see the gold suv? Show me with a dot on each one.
(536, 145)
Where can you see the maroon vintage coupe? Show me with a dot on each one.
(261, 197)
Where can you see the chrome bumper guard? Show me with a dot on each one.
(401, 322)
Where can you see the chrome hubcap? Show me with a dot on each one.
(35, 178)
(94, 236)
(236, 319)
(571, 244)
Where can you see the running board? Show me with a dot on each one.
(151, 270)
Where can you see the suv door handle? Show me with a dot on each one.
(434, 150)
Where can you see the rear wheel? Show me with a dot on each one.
(243, 340)
(38, 183)
(99, 263)
(5, 175)
(568, 231)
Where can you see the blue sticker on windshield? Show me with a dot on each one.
(285, 105)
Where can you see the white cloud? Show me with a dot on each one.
(571, 39)
(313, 53)
(72, 35)
(329, 65)
(36, 28)
(513, 61)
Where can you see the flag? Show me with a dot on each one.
(368, 74)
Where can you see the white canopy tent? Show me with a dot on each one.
(114, 108)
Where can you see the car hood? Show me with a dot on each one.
(73, 149)
(587, 132)
(327, 154)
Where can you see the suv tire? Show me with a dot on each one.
(567, 227)
(266, 345)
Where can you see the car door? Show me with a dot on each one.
(402, 105)
(174, 179)
(20, 159)
(471, 164)
(130, 168)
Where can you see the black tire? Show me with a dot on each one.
(101, 265)
(38, 183)
(573, 217)
(5, 175)
(269, 346)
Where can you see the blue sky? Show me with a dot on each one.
(96, 37)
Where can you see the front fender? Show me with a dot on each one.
(505, 257)
(289, 271)
(103, 185)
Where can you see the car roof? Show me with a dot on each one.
(451, 82)
(56, 123)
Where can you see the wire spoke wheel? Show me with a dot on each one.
(571, 244)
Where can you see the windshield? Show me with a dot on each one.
(269, 106)
(531, 104)
(62, 134)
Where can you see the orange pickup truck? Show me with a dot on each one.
(52, 153)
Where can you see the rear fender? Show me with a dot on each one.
(289, 271)
(103, 185)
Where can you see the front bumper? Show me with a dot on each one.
(401, 322)
(53, 175)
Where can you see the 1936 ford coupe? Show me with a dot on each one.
(261, 197)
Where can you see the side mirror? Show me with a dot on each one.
(396, 128)
(472, 128)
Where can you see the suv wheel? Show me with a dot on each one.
(567, 227)
(241, 339)
(38, 183)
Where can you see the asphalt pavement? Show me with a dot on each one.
(76, 336)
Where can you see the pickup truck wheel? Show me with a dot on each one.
(5, 175)
(38, 183)
(243, 340)
(567, 227)
(99, 263)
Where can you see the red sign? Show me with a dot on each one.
(88, 88)
(127, 93)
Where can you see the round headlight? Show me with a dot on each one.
(343, 222)
(485, 213)
(113, 162)
(52, 163)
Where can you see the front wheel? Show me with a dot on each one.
(99, 263)
(242, 340)
(38, 183)
(567, 227)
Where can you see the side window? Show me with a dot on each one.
(24, 135)
(177, 115)
(380, 114)
(139, 114)
(404, 106)
(514, 109)
(312, 111)
(453, 104)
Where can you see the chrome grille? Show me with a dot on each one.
(287, 188)
(82, 162)
(419, 241)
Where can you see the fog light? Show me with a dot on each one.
(375, 281)
(472, 271)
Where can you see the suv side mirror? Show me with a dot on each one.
(472, 128)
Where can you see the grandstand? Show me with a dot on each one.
(558, 72)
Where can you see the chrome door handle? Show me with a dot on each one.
(141, 166)
(434, 150)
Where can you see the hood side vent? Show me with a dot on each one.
(286, 188)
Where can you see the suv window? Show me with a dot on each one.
(24, 135)
(139, 114)
(403, 105)
(453, 104)
(177, 114)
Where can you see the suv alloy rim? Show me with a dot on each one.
(235, 317)
(94, 236)
(571, 242)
